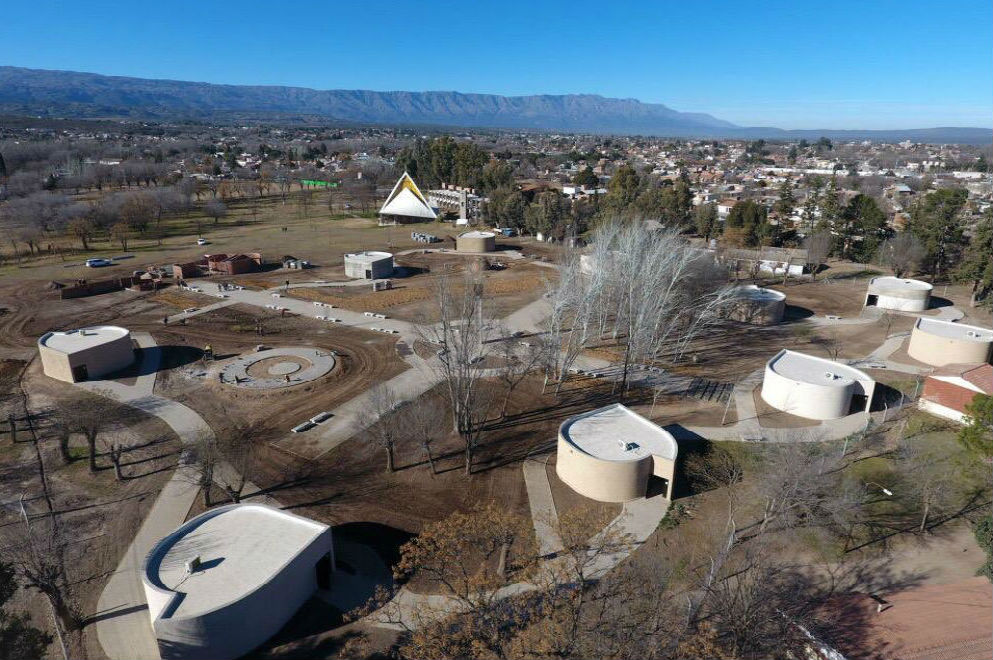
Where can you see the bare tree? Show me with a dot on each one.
(903, 253)
(649, 290)
(200, 463)
(90, 415)
(463, 335)
(116, 447)
(818, 246)
(215, 209)
(384, 424)
(420, 424)
(38, 554)
(519, 361)
(240, 463)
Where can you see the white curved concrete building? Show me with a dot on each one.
(898, 294)
(940, 343)
(86, 353)
(476, 241)
(609, 454)
(227, 580)
(815, 388)
(369, 265)
(757, 305)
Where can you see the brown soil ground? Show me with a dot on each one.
(363, 359)
(412, 298)
(99, 513)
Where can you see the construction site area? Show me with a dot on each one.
(310, 368)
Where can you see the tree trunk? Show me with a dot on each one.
(64, 448)
(927, 510)
(427, 449)
(91, 441)
(67, 617)
(389, 458)
(502, 564)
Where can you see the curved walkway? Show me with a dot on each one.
(235, 373)
(121, 619)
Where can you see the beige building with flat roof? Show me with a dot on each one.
(940, 343)
(476, 241)
(610, 454)
(87, 353)
(757, 305)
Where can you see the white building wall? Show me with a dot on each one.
(809, 399)
(941, 411)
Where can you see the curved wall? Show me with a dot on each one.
(757, 312)
(235, 628)
(890, 294)
(807, 399)
(602, 480)
(475, 242)
(939, 351)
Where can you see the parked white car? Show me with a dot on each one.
(203, 241)
(98, 262)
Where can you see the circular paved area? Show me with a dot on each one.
(283, 368)
(298, 365)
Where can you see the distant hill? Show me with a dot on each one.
(86, 95)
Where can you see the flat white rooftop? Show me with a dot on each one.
(239, 548)
(477, 234)
(617, 433)
(368, 256)
(897, 283)
(952, 330)
(753, 292)
(805, 368)
(74, 341)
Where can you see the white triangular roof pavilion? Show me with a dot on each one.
(407, 200)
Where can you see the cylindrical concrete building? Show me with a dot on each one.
(815, 388)
(369, 265)
(227, 580)
(941, 343)
(476, 241)
(757, 305)
(610, 453)
(87, 353)
(898, 294)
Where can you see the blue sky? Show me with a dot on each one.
(799, 64)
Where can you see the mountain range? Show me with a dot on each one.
(46, 93)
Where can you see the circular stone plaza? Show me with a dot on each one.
(277, 367)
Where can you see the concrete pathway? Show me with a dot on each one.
(352, 417)
(544, 517)
(179, 316)
(122, 623)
